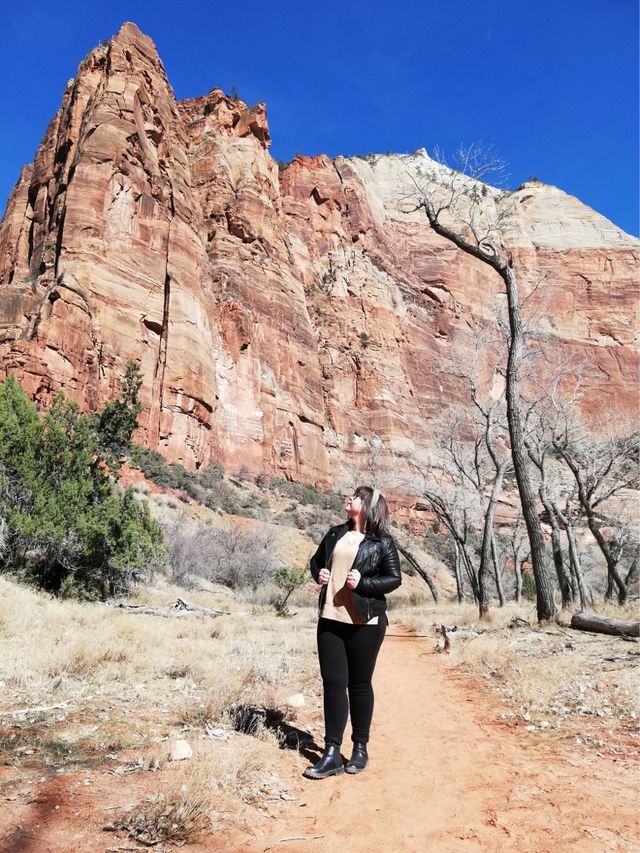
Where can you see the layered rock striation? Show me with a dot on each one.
(287, 321)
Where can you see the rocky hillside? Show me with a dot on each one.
(280, 318)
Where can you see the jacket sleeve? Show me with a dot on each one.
(388, 576)
(319, 559)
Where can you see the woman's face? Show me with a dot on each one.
(354, 506)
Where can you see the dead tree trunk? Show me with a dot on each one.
(486, 252)
(458, 574)
(601, 625)
(179, 608)
(487, 542)
(497, 570)
(424, 574)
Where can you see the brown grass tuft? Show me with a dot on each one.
(178, 819)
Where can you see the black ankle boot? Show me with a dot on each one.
(329, 765)
(359, 758)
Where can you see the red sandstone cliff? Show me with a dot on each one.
(279, 319)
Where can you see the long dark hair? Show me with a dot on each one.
(376, 518)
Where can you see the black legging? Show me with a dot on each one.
(347, 656)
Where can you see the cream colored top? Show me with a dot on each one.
(339, 604)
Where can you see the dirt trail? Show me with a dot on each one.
(445, 775)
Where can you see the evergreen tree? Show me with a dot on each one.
(66, 526)
(116, 422)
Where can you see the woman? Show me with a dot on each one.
(356, 564)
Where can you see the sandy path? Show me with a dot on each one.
(446, 776)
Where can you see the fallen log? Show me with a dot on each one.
(181, 604)
(584, 621)
(179, 608)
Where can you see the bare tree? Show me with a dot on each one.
(448, 498)
(539, 446)
(226, 555)
(463, 486)
(457, 570)
(519, 547)
(569, 517)
(580, 476)
(490, 416)
(633, 573)
(603, 471)
(456, 206)
(497, 571)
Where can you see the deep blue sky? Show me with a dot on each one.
(553, 85)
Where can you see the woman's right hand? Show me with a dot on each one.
(323, 576)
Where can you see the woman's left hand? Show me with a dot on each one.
(353, 578)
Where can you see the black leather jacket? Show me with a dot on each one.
(379, 566)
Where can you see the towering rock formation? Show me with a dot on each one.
(281, 320)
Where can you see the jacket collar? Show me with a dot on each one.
(363, 550)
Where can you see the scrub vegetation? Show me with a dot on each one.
(65, 527)
(110, 692)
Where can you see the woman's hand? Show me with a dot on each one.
(323, 576)
(353, 578)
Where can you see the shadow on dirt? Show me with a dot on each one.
(44, 810)
(252, 719)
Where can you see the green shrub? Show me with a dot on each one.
(151, 463)
(222, 496)
(288, 579)
(66, 526)
(210, 475)
(115, 424)
(169, 475)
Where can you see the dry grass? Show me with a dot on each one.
(73, 647)
(547, 674)
(554, 674)
(423, 618)
(409, 597)
(177, 818)
(102, 685)
(235, 766)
